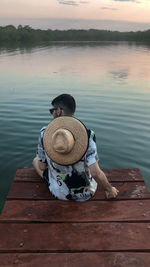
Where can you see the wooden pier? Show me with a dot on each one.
(38, 231)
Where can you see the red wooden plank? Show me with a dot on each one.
(27, 190)
(93, 259)
(74, 237)
(132, 174)
(64, 211)
(26, 174)
(127, 190)
(120, 175)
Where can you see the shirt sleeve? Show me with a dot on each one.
(40, 149)
(91, 155)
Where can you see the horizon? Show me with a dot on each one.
(76, 24)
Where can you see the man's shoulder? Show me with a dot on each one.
(91, 135)
(43, 129)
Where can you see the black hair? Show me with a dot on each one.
(66, 102)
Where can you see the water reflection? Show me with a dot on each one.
(120, 76)
(86, 61)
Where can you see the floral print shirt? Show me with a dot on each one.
(73, 182)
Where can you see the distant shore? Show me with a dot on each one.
(26, 35)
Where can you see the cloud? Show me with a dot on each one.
(72, 2)
(84, 2)
(109, 8)
(68, 2)
(135, 1)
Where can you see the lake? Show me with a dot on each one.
(111, 85)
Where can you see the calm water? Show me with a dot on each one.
(111, 84)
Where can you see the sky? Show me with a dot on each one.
(107, 14)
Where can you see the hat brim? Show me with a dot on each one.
(79, 132)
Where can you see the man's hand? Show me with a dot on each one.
(112, 192)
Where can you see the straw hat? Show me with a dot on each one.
(65, 140)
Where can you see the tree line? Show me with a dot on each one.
(26, 34)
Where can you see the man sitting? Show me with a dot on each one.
(67, 156)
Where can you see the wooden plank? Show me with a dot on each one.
(50, 237)
(120, 175)
(64, 211)
(27, 190)
(26, 174)
(93, 259)
(127, 190)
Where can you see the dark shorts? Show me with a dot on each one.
(45, 177)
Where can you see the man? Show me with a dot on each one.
(67, 157)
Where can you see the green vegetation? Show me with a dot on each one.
(25, 34)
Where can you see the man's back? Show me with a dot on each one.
(72, 182)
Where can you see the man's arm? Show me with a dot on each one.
(98, 174)
(39, 162)
(39, 166)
